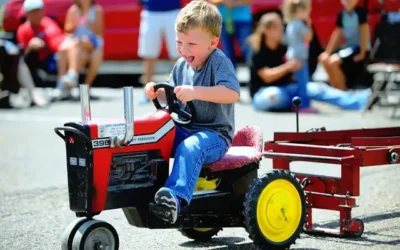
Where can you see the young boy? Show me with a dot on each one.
(352, 23)
(299, 35)
(207, 77)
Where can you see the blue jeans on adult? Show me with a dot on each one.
(242, 31)
(270, 98)
(192, 151)
(303, 78)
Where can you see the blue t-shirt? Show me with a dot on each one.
(239, 14)
(297, 46)
(218, 70)
(161, 5)
(350, 23)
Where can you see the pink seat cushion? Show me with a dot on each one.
(246, 148)
(236, 157)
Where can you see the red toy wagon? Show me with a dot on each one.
(351, 149)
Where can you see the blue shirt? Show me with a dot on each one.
(297, 46)
(239, 14)
(161, 5)
(350, 23)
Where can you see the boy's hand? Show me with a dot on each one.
(185, 93)
(149, 91)
(323, 56)
(359, 57)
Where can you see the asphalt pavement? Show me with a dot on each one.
(34, 208)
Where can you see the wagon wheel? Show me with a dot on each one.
(202, 234)
(356, 228)
(275, 210)
(96, 234)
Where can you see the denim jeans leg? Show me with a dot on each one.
(342, 99)
(242, 32)
(302, 79)
(271, 98)
(200, 148)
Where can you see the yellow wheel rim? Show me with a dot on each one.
(279, 210)
(204, 184)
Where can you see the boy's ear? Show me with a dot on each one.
(214, 42)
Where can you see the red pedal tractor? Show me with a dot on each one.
(122, 164)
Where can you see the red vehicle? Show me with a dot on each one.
(122, 20)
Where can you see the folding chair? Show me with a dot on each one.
(385, 56)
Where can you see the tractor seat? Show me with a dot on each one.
(246, 148)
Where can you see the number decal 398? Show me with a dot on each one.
(101, 143)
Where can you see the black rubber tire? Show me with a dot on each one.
(199, 236)
(89, 226)
(250, 210)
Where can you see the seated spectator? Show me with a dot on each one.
(352, 23)
(237, 25)
(83, 45)
(39, 38)
(272, 83)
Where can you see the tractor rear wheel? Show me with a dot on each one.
(275, 210)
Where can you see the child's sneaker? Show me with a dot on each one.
(168, 205)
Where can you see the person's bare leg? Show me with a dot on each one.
(95, 60)
(339, 80)
(148, 65)
(328, 70)
(75, 64)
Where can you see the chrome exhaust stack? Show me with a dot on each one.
(85, 103)
(124, 140)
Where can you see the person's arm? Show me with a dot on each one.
(216, 94)
(54, 37)
(71, 19)
(22, 40)
(270, 75)
(98, 27)
(336, 34)
(308, 32)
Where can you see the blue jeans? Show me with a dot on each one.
(279, 98)
(303, 78)
(192, 151)
(242, 31)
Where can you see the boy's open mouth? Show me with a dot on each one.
(189, 59)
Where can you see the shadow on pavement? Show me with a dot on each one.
(228, 243)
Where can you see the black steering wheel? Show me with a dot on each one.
(184, 117)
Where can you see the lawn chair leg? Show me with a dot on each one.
(395, 111)
(376, 89)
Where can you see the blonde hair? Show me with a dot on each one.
(201, 14)
(290, 7)
(266, 21)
